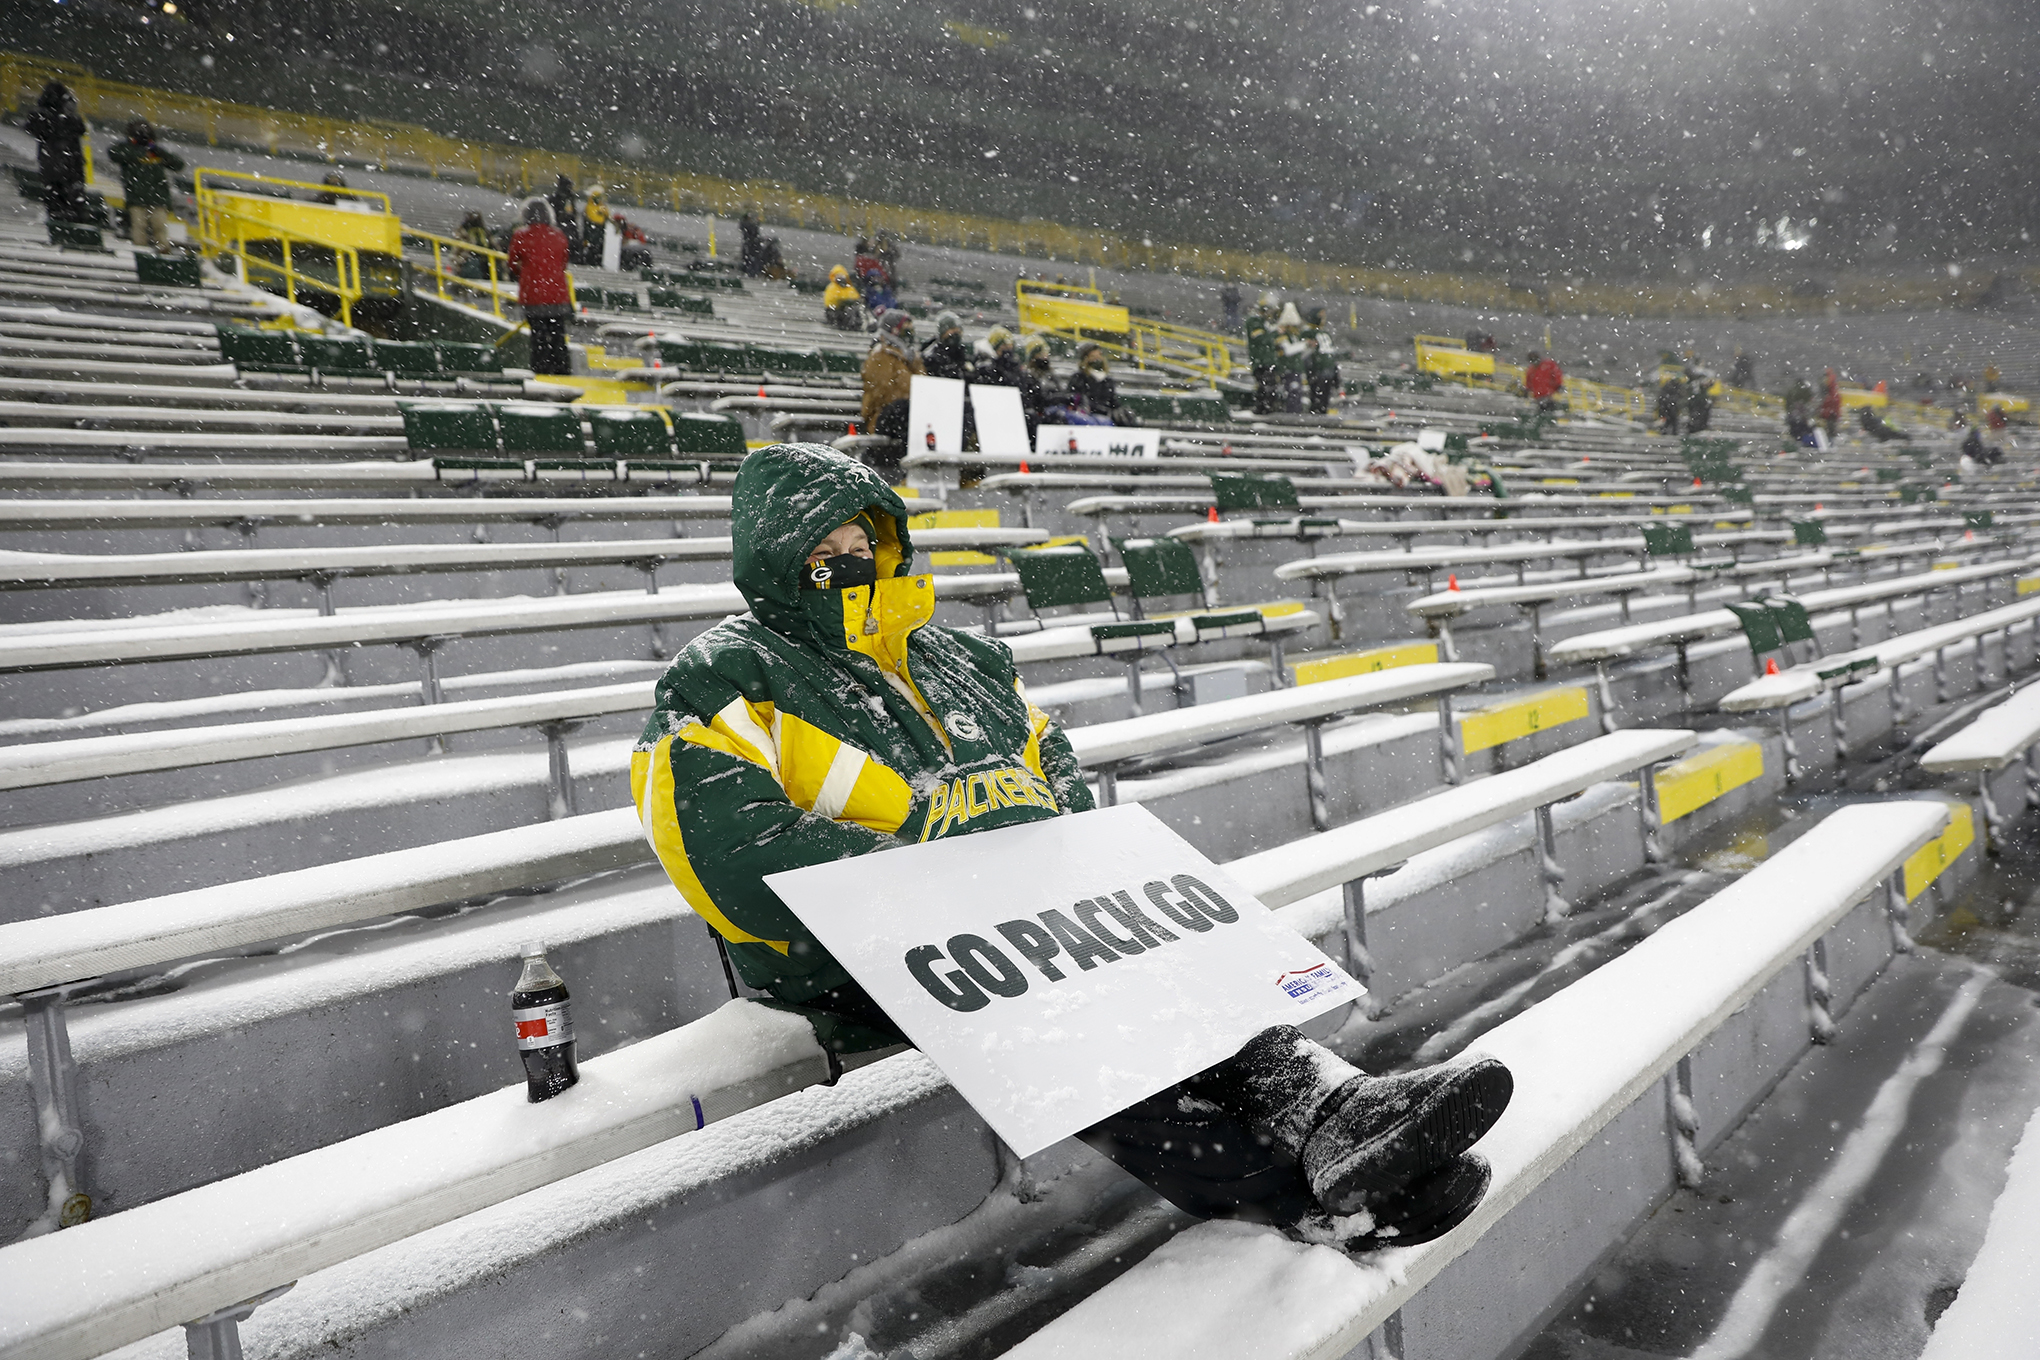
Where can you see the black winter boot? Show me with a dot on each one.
(1360, 1139)
(1426, 1210)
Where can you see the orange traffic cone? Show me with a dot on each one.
(1452, 581)
(1212, 514)
(1770, 665)
(1696, 481)
(761, 391)
(1023, 465)
(853, 430)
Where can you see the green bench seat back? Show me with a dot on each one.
(166, 271)
(1809, 533)
(330, 354)
(407, 359)
(1739, 495)
(836, 361)
(1977, 519)
(1791, 619)
(672, 299)
(791, 361)
(539, 428)
(461, 357)
(1054, 577)
(631, 434)
(1253, 493)
(620, 299)
(258, 349)
(433, 426)
(701, 435)
(1667, 540)
(1759, 629)
(1159, 566)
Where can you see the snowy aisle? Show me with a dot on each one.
(1848, 1247)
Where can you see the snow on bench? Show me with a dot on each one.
(1612, 643)
(33, 475)
(1996, 1314)
(1089, 462)
(141, 441)
(19, 570)
(1344, 857)
(1803, 682)
(1998, 736)
(252, 513)
(1109, 747)
(1580, 1058)
(112, 1281)
(1408, 530)
(38, 413)
(1430, 559)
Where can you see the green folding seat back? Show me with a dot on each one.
(1739, 495)
(836, 361)
(620, 299)
(536, 428)
(1667, 540)
(794, 361)
(1157, 567)
(1977, 519)
(1809, 533)
(434, 427)
(407, 359)
(682, 354)
(1890, 474)
(463, 357)
(623, 433)
(331, 354)
(1791, 619)
(1760, 630)
(1253, 493)
(166, 271)
(1052, 578)
(262, 351)
(699, 435)
(1147, 407)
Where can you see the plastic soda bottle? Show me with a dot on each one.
(545, 1026)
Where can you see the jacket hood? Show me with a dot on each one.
(788, 498)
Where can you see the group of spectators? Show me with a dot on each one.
(1685, 392)
(145, 166)
(865, 289)
(1000, 359)
(1294, 358)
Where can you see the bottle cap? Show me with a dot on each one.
(532, 949)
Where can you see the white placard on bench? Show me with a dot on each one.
(1108, 441)
(1061, 970)
(1001, 423)
(935, 408)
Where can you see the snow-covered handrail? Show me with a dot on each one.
(130, 441)
(1355, 528)
(1609, 643)
(1803, 682)
(1579, 1058)
(103, 1284)
(1300, 464)
(168, 514)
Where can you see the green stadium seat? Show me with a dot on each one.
(700, 435)
(622, 433)
(258, 351)
(791, 361)
(77, 236)
(1055, 577)
(407, 359)
(620, 299)
(1978, 519)
(166, 271)
(836, 361)
(330, 354)
(1157, 567)
(460, 357)
(1809, 533)
(445, 426)
(672, 299)
(1917, 495)
(1253, 493)
(540, 427)
(1667, 540)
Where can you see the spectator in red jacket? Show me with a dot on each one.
(538, 261)
(1831, 404)
(1543, 380)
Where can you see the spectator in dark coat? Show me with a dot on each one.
(538, 261)
(994, 361)
(1671, 401)
(945, 356)
(145, 181)
(1038, 389)
(752, 261)
(566, 212)
(1092, 391)
(59, 152)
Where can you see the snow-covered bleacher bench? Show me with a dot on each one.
(1711, 1006)
(1431, 560)
(1637, 639)
(2000, 736)
(1996, 1316)
(55, 415)
(56, 515)
(23, 570)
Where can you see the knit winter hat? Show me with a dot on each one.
(946, 322)
(893, 321)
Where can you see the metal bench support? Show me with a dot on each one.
(53, 1077)
(1684, 1123)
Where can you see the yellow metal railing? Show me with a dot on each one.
(1078, 313)
(231, 220)
(520, 170)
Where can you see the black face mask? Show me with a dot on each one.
(839, 573)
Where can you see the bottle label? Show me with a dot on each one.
(543, 1026)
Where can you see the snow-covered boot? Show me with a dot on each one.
(1428, 1209)
(1361, 1139)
